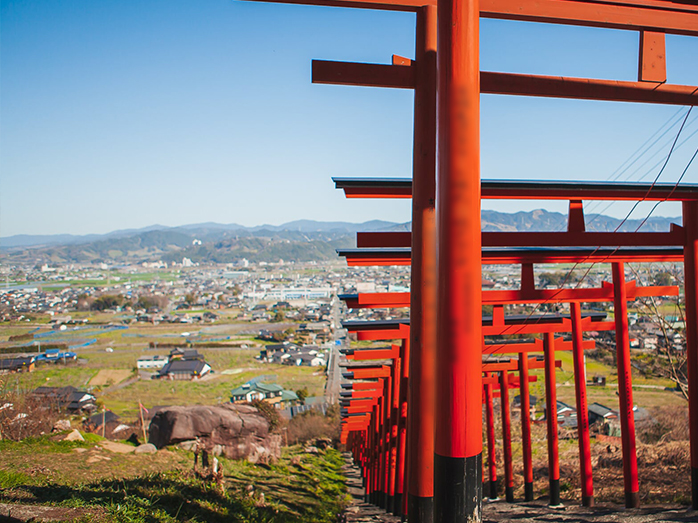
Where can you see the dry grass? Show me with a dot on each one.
(662, 458)
(312, 424)
(668, 423)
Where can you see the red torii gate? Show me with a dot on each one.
(359, 409)
(391, 331)
(400, 355)
(364, 399)
(462, 194)
(364, 407)
(498, 326)
(666, 247)
(460, 83)
(380, 416)
(527, 294)
(402, 188)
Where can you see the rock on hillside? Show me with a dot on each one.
(238, 431)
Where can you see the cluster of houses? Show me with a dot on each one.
(67, 399)
(260, 391)
(74, 401)
(287, 353)
(310, 312)
(312, 333)
(155, 317)
(181, 364)
(15, 303)
(648, 334)
(602, 419)
(27, 363)
(70, 400)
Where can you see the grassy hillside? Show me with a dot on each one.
(92, 484)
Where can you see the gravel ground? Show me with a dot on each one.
(502, 512)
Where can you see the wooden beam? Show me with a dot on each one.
(588, 89)
(383, 5)
(675, 238)
(652, 66)
(634, 15)
(662, 16)
(360, 74)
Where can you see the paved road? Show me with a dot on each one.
(334, 372)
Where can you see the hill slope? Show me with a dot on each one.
(297, 241)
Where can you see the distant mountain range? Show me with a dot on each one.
(541, 220)
(301, 240)
(201, 229)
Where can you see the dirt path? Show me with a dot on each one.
(121, 385)
(12, 513)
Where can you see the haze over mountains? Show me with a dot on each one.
(301, 240)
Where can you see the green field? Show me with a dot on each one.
(232, 366)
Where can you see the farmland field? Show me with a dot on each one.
(107, 356)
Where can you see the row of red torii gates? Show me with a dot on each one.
(438, 379)
(376, 423)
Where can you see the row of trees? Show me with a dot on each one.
(112, 301)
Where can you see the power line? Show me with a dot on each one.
(672, 191)
(613, 175)
(635, 157)
(677, 148)
(665, 160)
(656, 179)
(659, 174)
(623, 168)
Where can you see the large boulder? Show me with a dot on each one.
(74, 436)
(240, 430)
(61, 425)
(146, 448)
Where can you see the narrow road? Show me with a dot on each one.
(334, 372)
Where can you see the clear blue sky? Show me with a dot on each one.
(124, 114)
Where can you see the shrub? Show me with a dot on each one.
(667, 424)
(21, 415)
(268, 412)
(312, 424)
(302, 395)
(106, 301)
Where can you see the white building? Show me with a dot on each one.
(152, 362)
(297, 293)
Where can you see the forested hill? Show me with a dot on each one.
(298, 241)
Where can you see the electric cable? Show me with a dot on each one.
(615, 175)
(623, 168)
(611, 204)
(644, 198)
(671, 192)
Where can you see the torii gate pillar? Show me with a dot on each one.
(458, 438)
(420, 486)
(690, 224)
